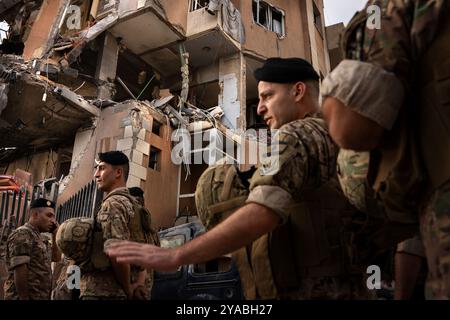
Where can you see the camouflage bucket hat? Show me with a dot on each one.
(74, 237)
(219, 192)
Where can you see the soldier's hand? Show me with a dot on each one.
(55, 228)
(144, 255)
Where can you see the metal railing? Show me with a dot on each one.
(13, 210)
(83, 204)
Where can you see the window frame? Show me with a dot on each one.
(270, 9)
(195, 5)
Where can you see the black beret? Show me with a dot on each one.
(288, 70)
(42, 203)
(116, 158)
(136, 192)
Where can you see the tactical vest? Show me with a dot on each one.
(315, 242)
(140, 231)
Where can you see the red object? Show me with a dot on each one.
(8, 183)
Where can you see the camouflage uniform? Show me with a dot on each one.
(27, 246)
(113, 220)
(306, 158)
(386, 61)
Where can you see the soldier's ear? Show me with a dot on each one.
(299, 90)
(119, 171)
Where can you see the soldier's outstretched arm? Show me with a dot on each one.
(241, 228)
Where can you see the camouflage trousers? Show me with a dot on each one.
(435, 231)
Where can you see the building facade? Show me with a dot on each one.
(81, 77)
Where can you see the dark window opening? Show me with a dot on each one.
(317, 19)
(64, 169)
(277, 22)
(156, 127)
(198, 4)
(262, 14)
(155, 159)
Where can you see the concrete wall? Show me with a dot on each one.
(121, 128)
(333, 41)
(319, 49)
(41, 165)
(161, 187)
(200, 21)
(265, 43)
(177, 13)
(39, 34)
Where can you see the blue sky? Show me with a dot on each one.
(341, 10)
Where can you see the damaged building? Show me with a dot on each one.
(78, 77)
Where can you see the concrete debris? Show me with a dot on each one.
(77, 100)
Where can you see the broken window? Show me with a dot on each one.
(269, 17)
(198, 4)
(156, 127)
(155, 159)
(317, 19)
(277, 22)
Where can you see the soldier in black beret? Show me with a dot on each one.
(42, 203)
(288, 90)
(288, 70)
(114, 221)
(27, 254)
(116, 158)
(109, 163)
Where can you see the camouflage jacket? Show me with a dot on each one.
(113, 220)
(302, 157)
(407, 28)
(26, 245)
(384, 58)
